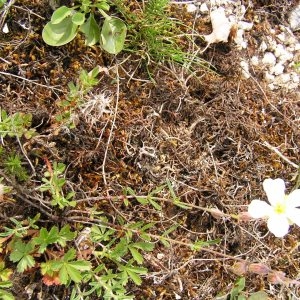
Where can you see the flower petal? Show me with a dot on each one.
(259, 209)
(293, 199)
(274, 189)
(294, 215)
(278, 225)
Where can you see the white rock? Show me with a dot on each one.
(245, 69)
(297, 47)
(290, 48)
(269, 59)
(5, 28)
(269, 77)
(291, 40)
(271, 86)
(245, 25)
(295, 77)
(254, 61)
(221, 27)
(287, 56)
(271, 43)
(191, 8)
(282, 54)
(203, 8)
(239, 39)
(277, 69)
(295, 18)
(282, 79)
(263, 46)
(279, 50)
(281, 37)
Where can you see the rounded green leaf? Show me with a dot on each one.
(113, 35)
(78, 18)
(91, 31)
(59, 34)
(60, 14)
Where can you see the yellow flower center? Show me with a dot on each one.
(280, 208)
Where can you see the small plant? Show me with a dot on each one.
(15, 125)
(238, 294)
(154, 34)
(76, 95)
(66, 22)
(54, 182)
(5, 283)
(13, 165)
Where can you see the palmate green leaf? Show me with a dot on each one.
(67, 269)
(133, 272)
(91, 31)
(113, 35)
(21, 253)
(65, 235)
(46, 238)
(72, 270)
(61, 33)
(60, 14)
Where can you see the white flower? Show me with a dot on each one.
(283, 210)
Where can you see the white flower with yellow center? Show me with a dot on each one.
(283, 209)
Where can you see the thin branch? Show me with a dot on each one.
(280, 154)
(112, 126)
(31, 81)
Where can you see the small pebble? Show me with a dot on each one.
(277, 69)
(269, 59)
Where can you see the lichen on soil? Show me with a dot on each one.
(207, 132)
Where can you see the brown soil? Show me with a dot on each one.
(205, 133)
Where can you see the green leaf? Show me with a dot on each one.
(78, 18)
(4, 295)
(4, 273)
(65, 235)
(239, 285)
(45, 238)
(137, 256)
(144, 246)
(261, 295)
(91, 31)
(21, 253)
(120, 250)
(61, 33)
(113, 35)
(25, 263)
(154, 204)
(60, 14)
(102, 5)
(135, 277)
(67, 270)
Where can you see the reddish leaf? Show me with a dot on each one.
(51, 280)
